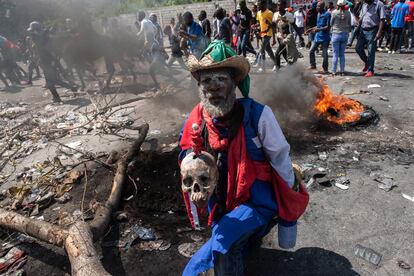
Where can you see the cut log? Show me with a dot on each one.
(38, 229)
(83, 258)
(104, 212)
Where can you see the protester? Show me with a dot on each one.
(246, 20)
(158, 30)
(386, 33)
(224, 27)
(216, 24)
(310, 22)
(289, 16)
(256, 27)
(354, 24)
(282, 16)
(281, 19)
(341, 26)
(176, 53)
(398, 13)
(147, 31)
(47, 61)
(194, 35)
(33, 60)
(7, 61)
(371, 22)
(174, 25)
(322, 37)
(300, 25)
(264, 17)
(235, 23)
(331, 7)
(409, 25)
(287, 47)
(205, 25)
(256, 181)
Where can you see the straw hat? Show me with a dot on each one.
(239, 64)
(220, 55)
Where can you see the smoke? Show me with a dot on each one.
(291, 93)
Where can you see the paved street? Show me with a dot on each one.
(336, 220)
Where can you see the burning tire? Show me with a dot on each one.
(337, 111)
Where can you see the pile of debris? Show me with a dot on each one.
(24, 131)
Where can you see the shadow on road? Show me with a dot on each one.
(393, 75)
(305, 261)
(12, 89)
(80, 102)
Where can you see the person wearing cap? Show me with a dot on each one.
(256, 178)
(341, 26)
(47, 60)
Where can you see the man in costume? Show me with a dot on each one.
(256, 180)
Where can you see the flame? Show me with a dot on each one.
(337, 109)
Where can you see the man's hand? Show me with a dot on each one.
(183, 34)
(378, 36)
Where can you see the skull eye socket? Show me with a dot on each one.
(204, 178)
(188, 181)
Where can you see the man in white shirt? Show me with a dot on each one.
(147, 31)
(300, 25)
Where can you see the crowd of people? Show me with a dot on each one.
(280, 31)
(259, 31)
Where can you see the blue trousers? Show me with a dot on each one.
(245, 44)
(339, 41)
(367, 38)
(312, 58)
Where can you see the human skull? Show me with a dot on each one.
(199, 176)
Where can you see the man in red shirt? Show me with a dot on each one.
(409, 26)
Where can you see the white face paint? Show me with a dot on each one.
(199, 176)
(217, 91)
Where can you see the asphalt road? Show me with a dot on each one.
(336, 219)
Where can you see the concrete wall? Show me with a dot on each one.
(166, 13)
